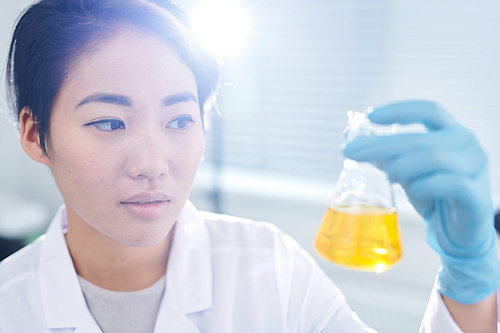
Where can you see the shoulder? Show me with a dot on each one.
(21, 306)
(21, 266)
(243, 229)
(284, 280)
(241, 235)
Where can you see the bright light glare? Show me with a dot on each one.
(221, 26)
(381, 251)
(380, 268)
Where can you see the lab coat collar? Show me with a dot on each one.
(189, 277)
(62, 299)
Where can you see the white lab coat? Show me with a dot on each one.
(225, 275)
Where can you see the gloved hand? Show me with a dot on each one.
(445, 175)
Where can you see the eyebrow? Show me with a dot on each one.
(125, 101)
(179, 98)
(106, 98)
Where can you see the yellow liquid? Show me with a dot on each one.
(360, 237)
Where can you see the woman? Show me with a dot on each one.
(111, 95)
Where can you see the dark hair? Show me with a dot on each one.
(52, 34)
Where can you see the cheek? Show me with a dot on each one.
(198, 149)
(188, 158)
(83, 167)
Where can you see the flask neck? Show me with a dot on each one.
(358, 125)
(361, 183)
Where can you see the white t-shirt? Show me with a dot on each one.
(124, 311)
(225, 274)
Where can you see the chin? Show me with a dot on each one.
(143, 236)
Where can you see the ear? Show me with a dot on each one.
(30, 140)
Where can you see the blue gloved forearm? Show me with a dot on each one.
(468, 273)
(445, 175)
(469, 280)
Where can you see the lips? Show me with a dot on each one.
(145, 197)
(147, 205)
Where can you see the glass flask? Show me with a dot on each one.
(360, 228)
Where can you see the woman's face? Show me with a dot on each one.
(126, 138)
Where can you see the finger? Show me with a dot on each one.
(467, 161)
(431, 114)
(380, 148)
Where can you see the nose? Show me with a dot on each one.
(148, 157)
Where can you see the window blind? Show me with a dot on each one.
(285, 99)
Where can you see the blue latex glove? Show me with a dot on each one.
(445, 175)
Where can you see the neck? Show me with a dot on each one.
(112, 265)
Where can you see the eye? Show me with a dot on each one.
(181, 122)
(108, 125)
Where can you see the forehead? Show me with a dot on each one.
(130, 60)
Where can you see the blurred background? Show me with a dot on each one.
(291, 71)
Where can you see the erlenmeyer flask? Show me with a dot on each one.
(360, 228)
